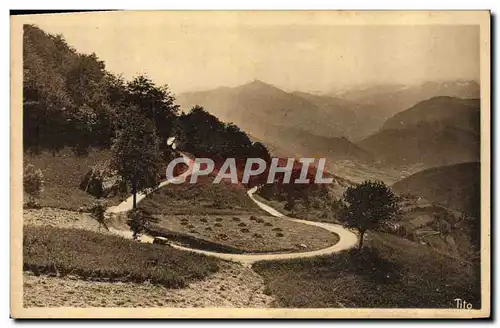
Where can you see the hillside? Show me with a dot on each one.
(454, 186)
(387, 99)
(449, 111)
(435, 132)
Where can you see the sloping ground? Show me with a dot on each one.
(455, 186)
(390, 272)
(244, 233)
(233, 286)
(63, 172)
(432, 144)
(203, 197)
(94, 256)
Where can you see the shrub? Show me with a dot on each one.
(138, 220)
(218, 225)
(242, 224)
(33, 184)
(97, 210)
(277, 229)
(253, 218)
(236, 219)
(203, 220)
(218, 219)
(279, 234)
(245, 230)
(268, 224)
(257, 235)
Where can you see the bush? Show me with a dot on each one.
(268, 224)
(97, 210)
(138, 220)
(236, 219)
(279, 234)
(33, 184)
(245, 230)
(92, 255)
(242, 224)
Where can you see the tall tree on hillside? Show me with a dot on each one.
(156, 102)
(368, 206)
(135, 153)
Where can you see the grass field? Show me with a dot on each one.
(249, 233)
(95, 256)
(203, 197)
(62, 176)
(390, 272)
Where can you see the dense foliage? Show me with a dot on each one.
(368, 206)
(205, 135)
(66, 99)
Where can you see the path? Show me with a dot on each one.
(347, 238)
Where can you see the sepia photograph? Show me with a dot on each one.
(250, 164)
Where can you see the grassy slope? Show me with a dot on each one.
(455, 186)
(222, 217)
(247, 233)
(62, 176)
(203, 197)
(391, 272)
(97, 256)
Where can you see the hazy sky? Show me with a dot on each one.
(190, 53)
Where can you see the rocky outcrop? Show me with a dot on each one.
(102, 181)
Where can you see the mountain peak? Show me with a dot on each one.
(257, 84)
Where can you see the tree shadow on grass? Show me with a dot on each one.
(368, 264)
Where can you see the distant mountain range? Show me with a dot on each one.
(301, 123)
(261, 103)
(398, 125)
(438, 131)
(389, 99)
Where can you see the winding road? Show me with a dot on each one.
(347, 238)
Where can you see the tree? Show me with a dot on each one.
(33, 184)
(369, 206)
(155, 102)
(135, 153)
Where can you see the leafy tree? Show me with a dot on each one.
(67, 99)
(135, 152)
(156, 102)
(369, 206)
(32, 183)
